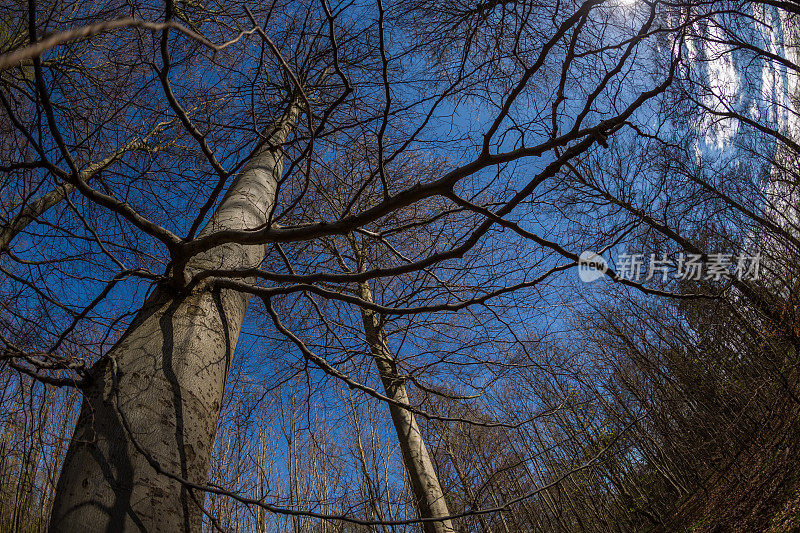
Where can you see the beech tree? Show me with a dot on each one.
(378, 204)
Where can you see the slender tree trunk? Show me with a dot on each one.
(466, 483)
(419, 467)
(156, 395)
(362, 460)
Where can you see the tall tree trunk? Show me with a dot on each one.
(419, 467)
(159, 389)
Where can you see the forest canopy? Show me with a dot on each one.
(397, 266)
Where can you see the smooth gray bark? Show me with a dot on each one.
(156, 396)
(419, 467)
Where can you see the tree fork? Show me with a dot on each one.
(171, 368)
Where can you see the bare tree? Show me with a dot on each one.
(302, 197)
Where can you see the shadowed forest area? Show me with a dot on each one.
(388, 266)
